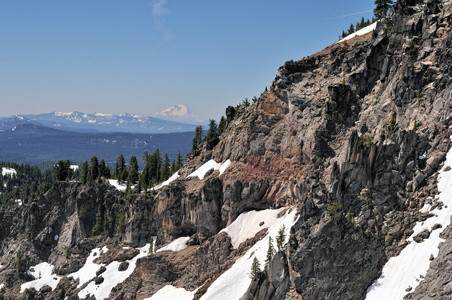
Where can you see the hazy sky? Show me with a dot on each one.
(143, 56)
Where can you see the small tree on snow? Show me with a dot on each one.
(281, 237)
(255, 267)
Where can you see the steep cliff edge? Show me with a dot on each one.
(350, 138)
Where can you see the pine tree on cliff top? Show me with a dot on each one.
(381, 8)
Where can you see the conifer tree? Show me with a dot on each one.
(351, 29)
(94, 168)
(173, 167)
(362, 24)
(102, 168)
(133, 170)
(255, 267)
(221, 126)
(120, 168)
(246, 102)
(62, 170)
(381, 8)
(165, 171)
(98, 227)
(179, 161)
(270, 251)
(212, 133)
(281, 237)
(156, 162)
(197, 139)
(344, 34)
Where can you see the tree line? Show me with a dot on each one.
(156, 169)
(381, 9)
(26, 184)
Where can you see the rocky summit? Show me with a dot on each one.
(342, 163)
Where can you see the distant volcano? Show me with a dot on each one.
(180, 113)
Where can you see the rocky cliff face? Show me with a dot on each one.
(351, 136)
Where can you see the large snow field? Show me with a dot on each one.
(233, 283)
(43, 276)
(363, 31)
(211, 164)
(411, 265)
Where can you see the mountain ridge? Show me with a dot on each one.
(98, 122)
(349, 140)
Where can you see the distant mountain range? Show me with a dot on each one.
(78, 136)
(83, 122)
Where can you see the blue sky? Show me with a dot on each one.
(143, 56)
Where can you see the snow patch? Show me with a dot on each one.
(246, 226)
(423, 156)
(400, 272)
(211, 164)
(120, 187)
(112, 277)
(2, 286)
(171, 292)
(425, 209)
(233, 283)
(176, 245)
(224, 166)
(174, 177)
(359, 32)
(89, 269)
(8, 172)
(43, 276)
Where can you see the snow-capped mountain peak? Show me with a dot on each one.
(177, 110)
(179, 113)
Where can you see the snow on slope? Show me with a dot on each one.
(411, 265)
(8, 171)
(176, 245)
(89, 269)
(359, 32)
(112, 276)
(43, 276)
(211, 164)
(170, 292)
(120, 187)
(233, 283)
(246, 226)
(174, 177)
